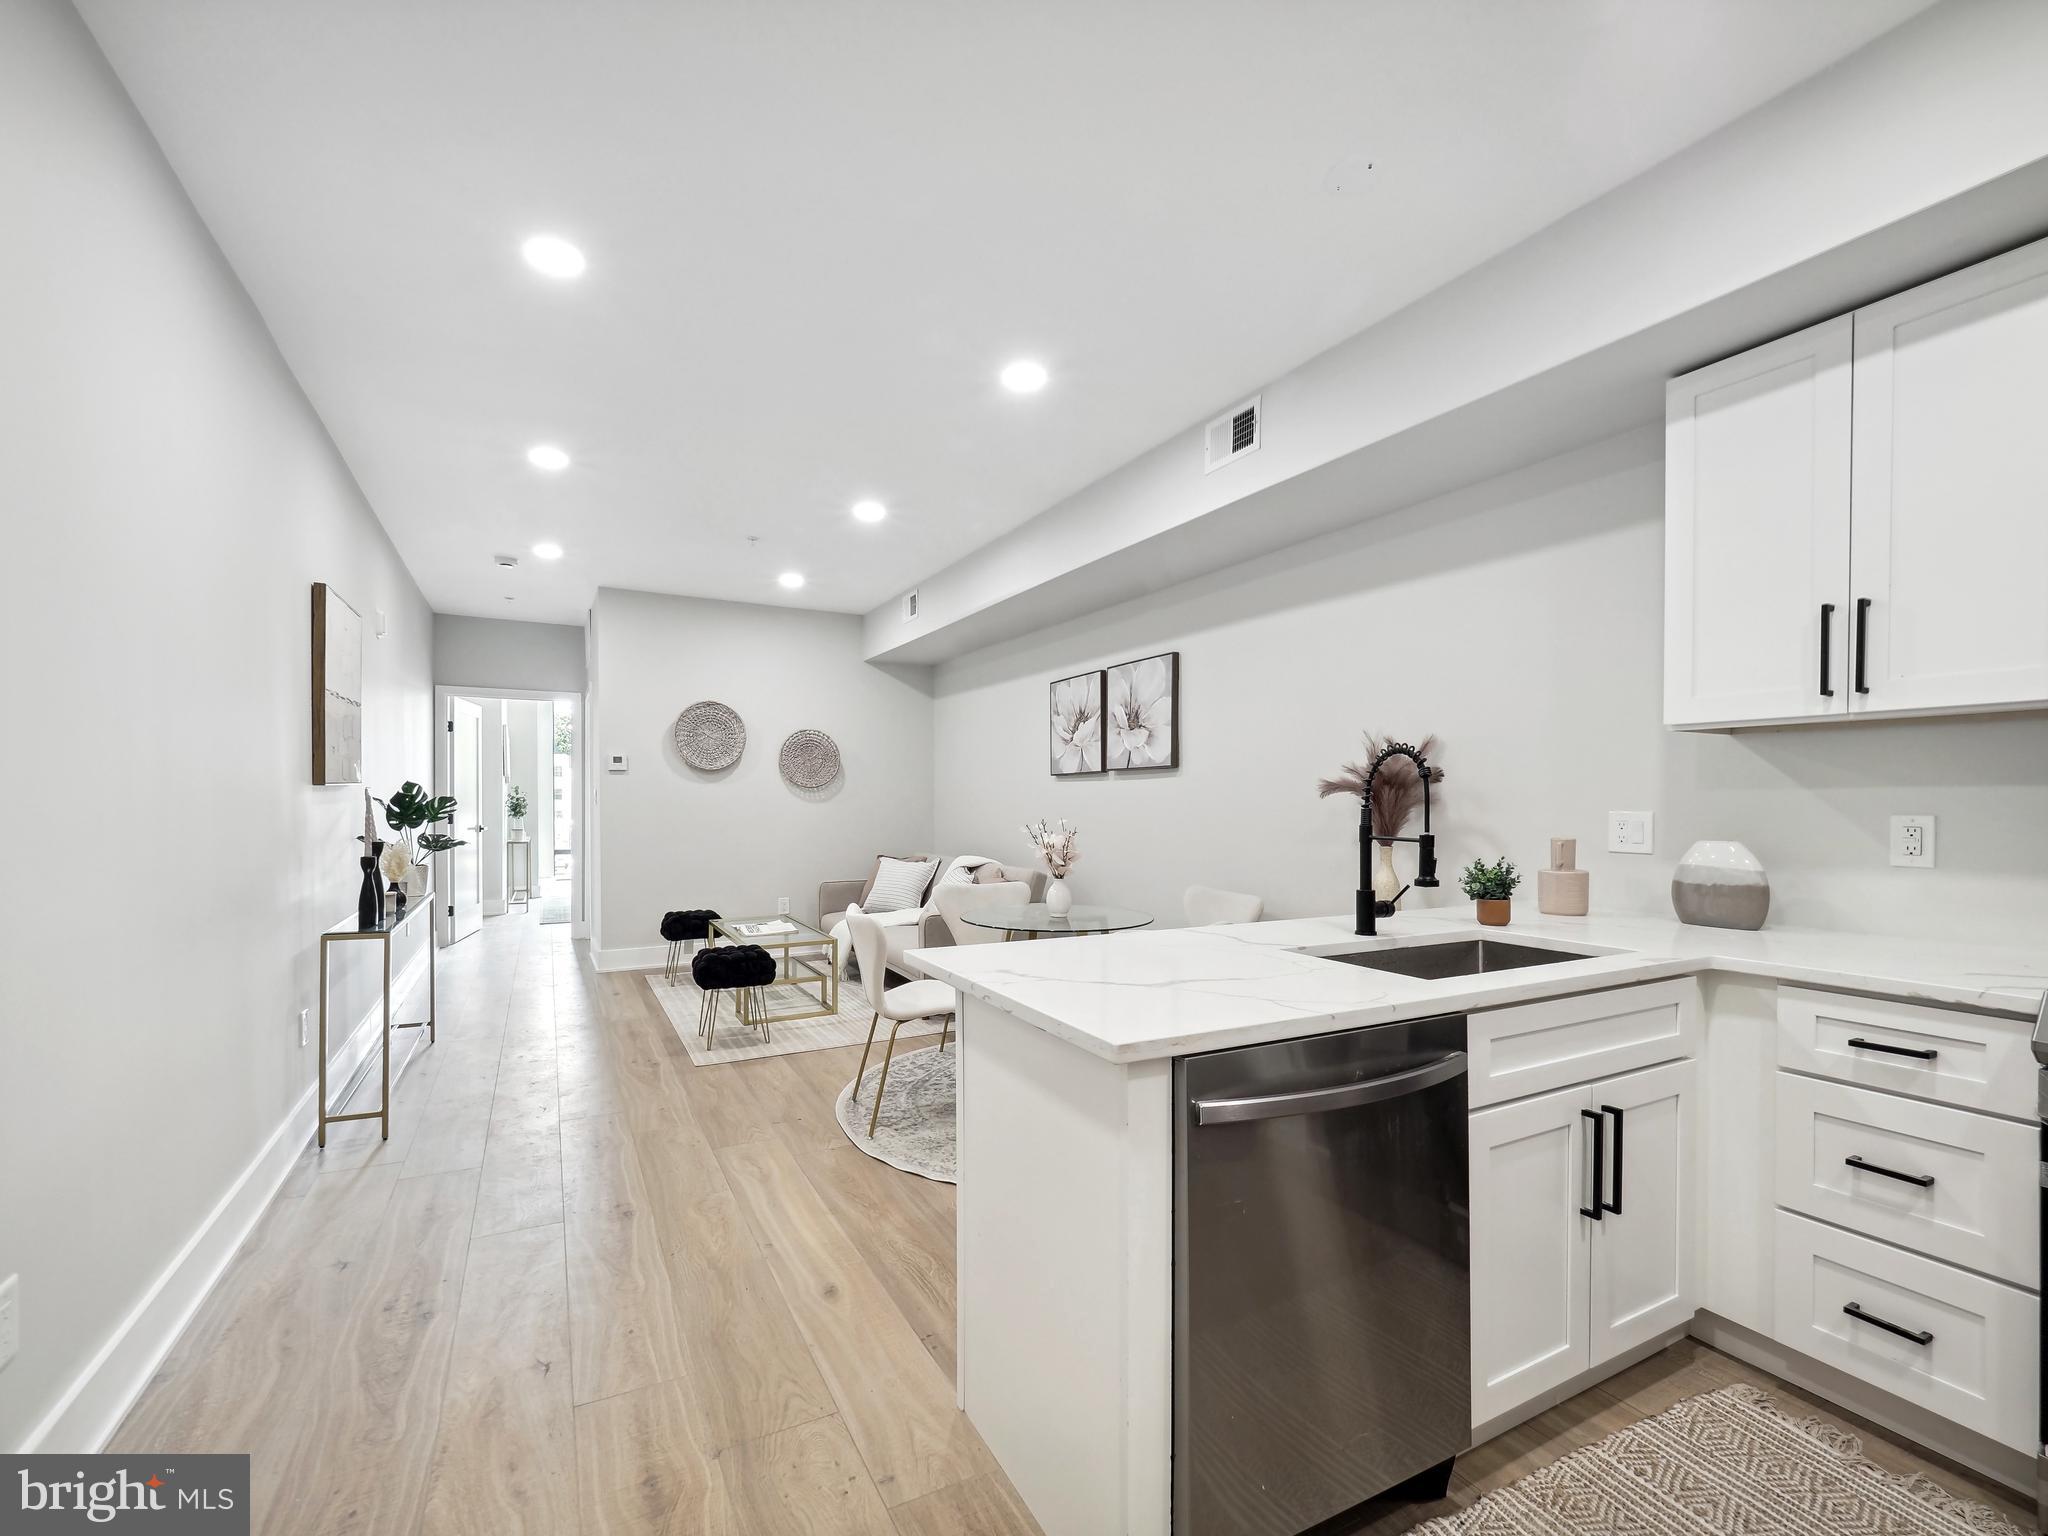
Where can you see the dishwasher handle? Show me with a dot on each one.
(1316, 1101)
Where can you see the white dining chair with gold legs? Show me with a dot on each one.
(902, 1005)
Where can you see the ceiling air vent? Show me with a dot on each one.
(1231, 436)
(909, 606)
(506, 562)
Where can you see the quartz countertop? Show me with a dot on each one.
(1171, 992)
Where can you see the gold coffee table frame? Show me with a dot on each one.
(794, 969)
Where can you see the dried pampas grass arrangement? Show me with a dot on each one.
(1396, 793)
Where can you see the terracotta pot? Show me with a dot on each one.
(1494, 914)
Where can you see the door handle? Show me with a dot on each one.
(1862, 642)
(1599, 1159)
(1316, 1101)
(1857, 1043)
(1924, 1180)
(1918, 1336)
(1827, 629)
(1615, 1207)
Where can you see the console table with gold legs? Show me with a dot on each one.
(389, 926)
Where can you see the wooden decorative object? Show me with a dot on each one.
(1561, 890)
(710, 735)
(337, 689)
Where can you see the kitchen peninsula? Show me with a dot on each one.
(1747, 1052)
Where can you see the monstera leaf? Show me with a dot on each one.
(412, 807)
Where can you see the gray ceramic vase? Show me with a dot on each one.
(1720, 885)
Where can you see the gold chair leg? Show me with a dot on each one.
(945, 1028)
(711, 1024)
(873, 1019)
(882, 1085)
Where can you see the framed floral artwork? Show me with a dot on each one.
(1077, 724)
(1142, 723)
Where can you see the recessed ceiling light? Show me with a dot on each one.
(1024, 377)
(790, 579)
(552, 256)
(547, 549)
(870, 511)
(548, 457)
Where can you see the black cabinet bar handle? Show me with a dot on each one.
(1918, 1336)
(1609, 1109)
(1599, 1162)
(1924, 1180)
(1827, 630)
(1857, 1043)
(1862, 642)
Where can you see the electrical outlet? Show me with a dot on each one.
(302, 1026)
(782, 906)
(10, 1319)
(1631, 831)
(1913, 842)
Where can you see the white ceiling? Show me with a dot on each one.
(816, 230)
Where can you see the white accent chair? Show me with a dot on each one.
(955, 901)
(919, 929)
(899, 1005)
(1205, 905)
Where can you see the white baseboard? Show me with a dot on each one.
(88, 1412)
(645, 957)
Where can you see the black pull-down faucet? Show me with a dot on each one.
(1425, 845)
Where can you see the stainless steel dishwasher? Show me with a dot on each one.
(1321, 1276)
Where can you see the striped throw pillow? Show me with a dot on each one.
(898, 884)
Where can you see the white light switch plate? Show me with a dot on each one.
(1913, 842)
(782, 906)
(1631, 831)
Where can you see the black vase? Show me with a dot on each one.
(370, 902)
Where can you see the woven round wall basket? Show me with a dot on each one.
(710, 736)
(809, 759)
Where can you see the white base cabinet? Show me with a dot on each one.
(1583, 1215)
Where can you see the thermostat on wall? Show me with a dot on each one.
(616, 763)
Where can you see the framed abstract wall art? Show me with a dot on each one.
(337, 689)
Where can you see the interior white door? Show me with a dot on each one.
(1642, 1275)
(1951, 491)
(1529, 1248)
(465, 870)
(1756, 535)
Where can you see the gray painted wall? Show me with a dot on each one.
(1521, 621)
(173, 498)
(670, 836)
(482, 654)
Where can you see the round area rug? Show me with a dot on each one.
(916, 1128)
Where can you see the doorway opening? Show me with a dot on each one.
(513, 762)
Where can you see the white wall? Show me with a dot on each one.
(172, 497)
(530, 720)
(1520, 621)
(482, 654)
(670, 836)
(490, 811)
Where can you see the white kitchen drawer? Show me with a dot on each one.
(1975, 1060)
(1535, 1047)
(1979, 1206)
(1980, 1363)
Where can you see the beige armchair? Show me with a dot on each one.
(930, 931)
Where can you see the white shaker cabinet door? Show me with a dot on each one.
(1756, 556)
(1529, 1178)
(1950, 549)
(1642, 1272)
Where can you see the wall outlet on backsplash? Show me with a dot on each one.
(1631, 831)
(1913, 842)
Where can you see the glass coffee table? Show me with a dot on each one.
(1035, 920)
(805, 958)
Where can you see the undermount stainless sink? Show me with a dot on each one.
(1457, 957)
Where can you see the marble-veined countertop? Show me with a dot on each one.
(1170, 992)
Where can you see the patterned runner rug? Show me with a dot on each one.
(1726, 1463)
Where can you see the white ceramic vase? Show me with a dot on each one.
(1721, 885)
(1059, 901)
(1386, 880)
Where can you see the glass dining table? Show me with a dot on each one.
(1035, 920)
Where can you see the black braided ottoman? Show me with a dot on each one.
(681, 928)
(741, 969)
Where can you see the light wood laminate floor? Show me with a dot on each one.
(588, 1287)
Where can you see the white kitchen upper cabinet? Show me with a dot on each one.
(1529, 1178)
(1950, 549)
(1756, 506)
(1642, 1273)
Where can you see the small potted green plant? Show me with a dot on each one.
(515, 811)
(1492, 887)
